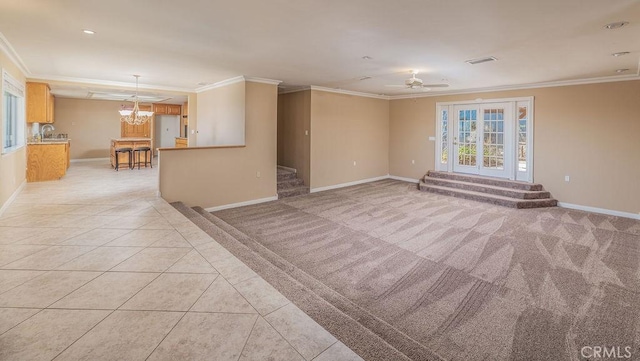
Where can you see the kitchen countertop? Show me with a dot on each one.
(130, 139)
(46, 142)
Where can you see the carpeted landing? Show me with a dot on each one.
(396, 273)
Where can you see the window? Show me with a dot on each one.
(13, 123)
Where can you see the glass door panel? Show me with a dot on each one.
(466, 140)
(496, 153)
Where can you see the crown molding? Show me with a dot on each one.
(221, 83)
(294, 90)
(608, 79)
(10, 52)
(262, 80)
(349, 92)
(55, 78)
(237, 79)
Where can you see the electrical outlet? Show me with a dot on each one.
(413, 161)
(566, 178)
(354, 163)
(257, 174)
(306, 132)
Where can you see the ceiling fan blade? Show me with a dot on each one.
(435, 85)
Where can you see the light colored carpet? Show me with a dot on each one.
(467, 280)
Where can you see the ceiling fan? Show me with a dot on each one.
(416, 83)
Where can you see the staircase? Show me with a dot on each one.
(496, 191)
(289, 185)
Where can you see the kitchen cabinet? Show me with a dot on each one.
(123, 158)
(137, 131)
(167, 109)
(181, 143)
(40, 103)
(47, 160)
(185, 114)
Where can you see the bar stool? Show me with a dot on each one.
(129, 151)
(146, 150)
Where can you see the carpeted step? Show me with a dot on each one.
(285, 175)
(292, 192)
(484, 188)
(505, 183)
(290, 183)
(353, 325)
(489, 198)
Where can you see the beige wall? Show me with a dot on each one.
(221, 116)
(219, 176)
(12, 165)
(589, 132)
(90, 125)
(294, 118)
(344, 129)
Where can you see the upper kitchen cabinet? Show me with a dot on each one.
(167, 109)
(40, 103)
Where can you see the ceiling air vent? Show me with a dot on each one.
(481, 60)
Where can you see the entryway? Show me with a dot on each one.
(486, 137)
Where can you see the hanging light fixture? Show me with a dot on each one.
(135, 116)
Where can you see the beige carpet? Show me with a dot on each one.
(467, 280)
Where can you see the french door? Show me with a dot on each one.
(491, 138)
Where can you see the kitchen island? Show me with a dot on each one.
(47, 160)
(123, 158)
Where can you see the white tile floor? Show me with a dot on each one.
(96, 267)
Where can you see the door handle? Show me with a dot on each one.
(455, 140)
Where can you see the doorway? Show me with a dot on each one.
(486, 137)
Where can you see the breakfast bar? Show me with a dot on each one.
(133, 143)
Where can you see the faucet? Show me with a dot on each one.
(46, 127)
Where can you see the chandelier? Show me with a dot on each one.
(135, 116)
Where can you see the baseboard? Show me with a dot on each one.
(6, 204)
(241, 204)
(342, 185)
(599, 210)
(410, 180)
(82, 160)
(288, 169)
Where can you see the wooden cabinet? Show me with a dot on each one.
(167, 109)
(47, 161)
(159, 109)
(181, 143)
(40, 103)
(185, 114)
(174, 109)
(137, 131)
(123, 158)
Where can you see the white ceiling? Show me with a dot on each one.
(175, 45)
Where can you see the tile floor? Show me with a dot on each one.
(96, 267)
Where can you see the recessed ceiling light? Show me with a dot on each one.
(620, 53)
(622, 70)
(367, 57)
(87, 31)
(617, 25)
(481, 60)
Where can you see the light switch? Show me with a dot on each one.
(432, 138)
(306, 132)
(566, 178)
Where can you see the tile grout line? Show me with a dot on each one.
(244, 345)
